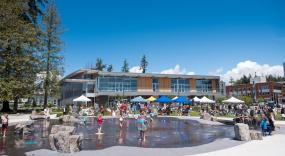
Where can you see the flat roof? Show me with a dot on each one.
(104, 73)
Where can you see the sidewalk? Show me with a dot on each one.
(268, 146)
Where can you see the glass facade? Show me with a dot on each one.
(88, 87)
(117, 84)
(204, 86)
(155, 85)
(180, 85)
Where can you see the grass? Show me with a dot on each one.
(227, 116)
(194, 113)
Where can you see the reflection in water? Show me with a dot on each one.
(162, 132)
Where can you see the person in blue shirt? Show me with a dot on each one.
(142, 125)
(264, 125)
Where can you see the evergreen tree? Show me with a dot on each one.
(52, 61)
(19, 57)
(125, 67)
(144, 64)
(231, 81)
(99, 65)
(110, 68)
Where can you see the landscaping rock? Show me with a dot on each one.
(242, 132)
(37, 117)
(75, 143)
(62, 139)
(24, 128)
(57, 128)
(255, 135)
(68, 118)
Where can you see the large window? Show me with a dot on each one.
(179, 85)
(155, 85)
(204, 86)
(117, 84)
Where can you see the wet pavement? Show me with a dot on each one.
(162, 133)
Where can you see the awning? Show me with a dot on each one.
(196, 99)
(174, 98)
(206, 100)
(163, 99)
(151, 99)
(139, 99)
(82, 98)
(182, 99)
(233, 100)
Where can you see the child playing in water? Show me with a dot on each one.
(4, 119)
(121, 121)
(100, 121)
(142, 125)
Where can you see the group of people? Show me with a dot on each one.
(141, 123)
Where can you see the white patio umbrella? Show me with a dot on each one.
(82, 98)
(233, 100)
(206, 100)
(196, 99)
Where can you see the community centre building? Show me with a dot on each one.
(103, 87)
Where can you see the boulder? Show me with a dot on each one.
(34, 112)
(37, 117)
(24, 128)
(242, 132)
(57, 128)
(75, 143)
(68, 118)
(255, 135)
(62, 139)
(206, 116)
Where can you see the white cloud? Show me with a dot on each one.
(218, 72)
(177, 70)
(250, 67)
(136, 69)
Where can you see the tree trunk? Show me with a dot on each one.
(6, 107)
(47, 84)
(15, 107)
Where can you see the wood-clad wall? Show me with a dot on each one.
(214, 86)
(144, 84)
(164, 84)
(192, 83)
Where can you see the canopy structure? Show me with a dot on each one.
(163, 99)
(174, 98)
(206, 100)
(182, 99)
(196, 99)
(82, 98)
(151, 99)
(139, 99)
(233, 100)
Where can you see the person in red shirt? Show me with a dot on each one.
(100, 121)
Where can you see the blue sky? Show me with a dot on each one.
(199, 35)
